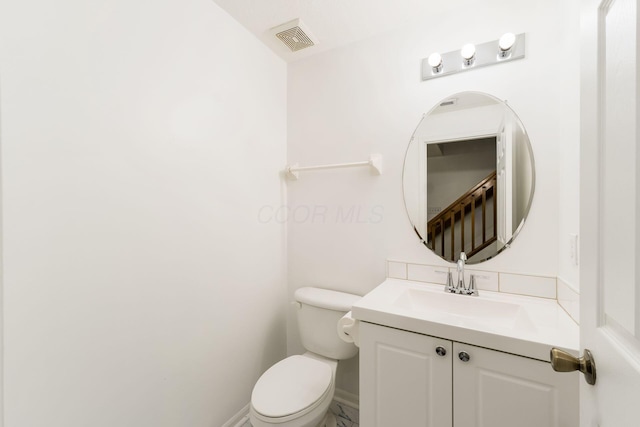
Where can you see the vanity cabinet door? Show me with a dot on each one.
(405, 378)
(497, 389)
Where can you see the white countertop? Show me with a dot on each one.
(531, 329)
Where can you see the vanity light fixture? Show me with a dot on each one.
(468, 53)
(435, 61)
(508, 48)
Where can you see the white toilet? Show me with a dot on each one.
(297, 391)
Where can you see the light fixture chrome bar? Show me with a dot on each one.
(489, 53)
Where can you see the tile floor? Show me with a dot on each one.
(346, 416)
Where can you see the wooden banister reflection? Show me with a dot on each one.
(442, 227)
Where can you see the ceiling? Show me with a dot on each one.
(334, 23)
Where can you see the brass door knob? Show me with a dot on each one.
(561, 361)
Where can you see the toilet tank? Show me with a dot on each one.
(318, 312)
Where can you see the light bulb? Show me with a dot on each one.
(507, 41)
(468, 53)
(435, 60)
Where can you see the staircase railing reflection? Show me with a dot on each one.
(468, 224)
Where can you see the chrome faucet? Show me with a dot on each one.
(461, 287)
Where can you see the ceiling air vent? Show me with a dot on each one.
(295, 35)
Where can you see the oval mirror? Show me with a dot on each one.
(468, 177)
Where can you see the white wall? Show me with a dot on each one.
(139, 142)
(367, 97)
(569, 145)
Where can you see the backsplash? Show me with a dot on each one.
(569, 299)
(521, 284)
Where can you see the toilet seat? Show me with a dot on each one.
(292, 387)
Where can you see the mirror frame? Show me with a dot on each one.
(527, 210)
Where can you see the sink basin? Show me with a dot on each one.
(463, 309)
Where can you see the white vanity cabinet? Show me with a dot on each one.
(410, 379)
(403, 381)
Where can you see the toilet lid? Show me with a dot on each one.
(291, 386)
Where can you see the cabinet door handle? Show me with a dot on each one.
(441, 351)
(464, 356)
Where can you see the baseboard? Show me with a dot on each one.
(238, 419)
(349, 399)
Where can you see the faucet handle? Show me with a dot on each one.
(449, 286)
(473, 290)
